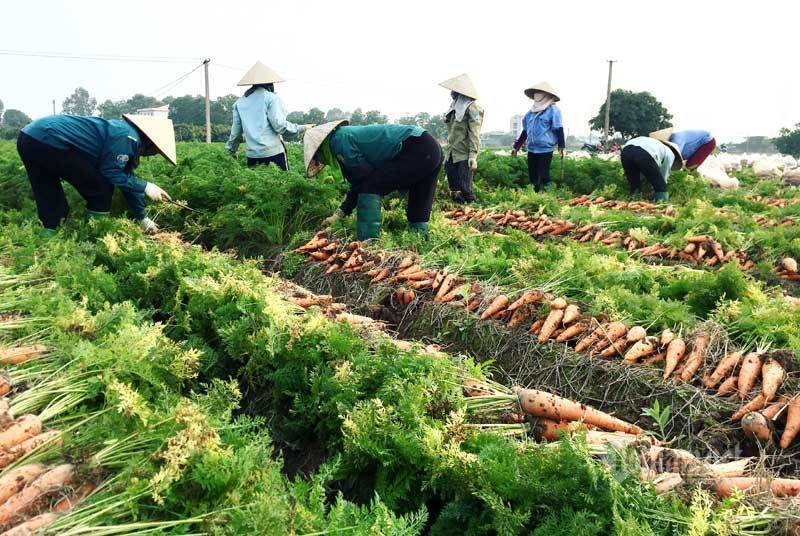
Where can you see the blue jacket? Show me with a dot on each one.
(261, 119)
(689, 141)
(113, 144)
(544, 130)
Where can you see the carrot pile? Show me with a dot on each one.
(701, 249)
(616, 204)
(774, 202)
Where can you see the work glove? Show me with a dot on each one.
(473, 163)
(148, 226)
(155, 193)
(514, 153)
(330, 220)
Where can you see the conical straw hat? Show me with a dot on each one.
(663, 134)
(260, 74)
(159, 131)
(461, 84)
(542, 86)
(678, 162)
(313, 140)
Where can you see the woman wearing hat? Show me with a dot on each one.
(652, 158)
(94, 155)
(260, 118)
(463, 119)
(543, 130)
(377, 160)
(695, 145)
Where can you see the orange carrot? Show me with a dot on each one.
(571, 332)
(50, 482)
(68, 503)
(641, 349)
(591, 339)
(536, 327)
(616, 348)
(725, 366)
(5, 386)
(757, 403)
(23, 428)
(532, 296)
(636, 334)
(571, 314)
(699, 239)
(792, 423)
(550, 324)
(318, 255)
(32, 526)
(755, 425)
(542, 404)
(748, 373)
(667, 336)
(696, 357)
(380, 276)
(716, 247)
(772, 411)
(12, 454)
(655, 358)
(558, 303)
(772, 374)
(550, 430)
(497, 305)
(675, 351)
(690, 247)
(418, 285)
(445, 287)
(437, 281)
(518, 317)
(405, 263)
(615, 330)
(728, 386)
(17, 478)
(20, 354)
(779, 487)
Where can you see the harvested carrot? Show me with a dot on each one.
(32, 526)
(23, 428)
(695, 359)
(748, 373)
(50, 482)
(550, 406)
(5, 386)
(497, 305)
(640, 350)
(716, 247)
(755, 425)
(699, 239)
(772, 411)
(617, 347)
(319, 255)
(418, 285)
(437, 281)
(558, 303)
(17, 478)
(636, 334)
(457, 292)
(68, 503)
(536, 327)
(445, 287)
(725, 366)
(550, 430)
(728, 386)
(779, 487)
(667, 336)
(655, 358)
(409, 270)
(475, 388)
(8, 456)
(675, 351)
(20, 354)
(550, 324)
(532, 296)
(690, 247)
(405, 262)
(571, 332)
(772, 375)
(571, 314)
(757, 403)
(615, 330)
(591, 339)
(380, 276)
(792, 423)
(518, 317)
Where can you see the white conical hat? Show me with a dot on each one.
(663, 134)
(542, 86)
(260, 74)
(313, 140)
(159, 131)
(461, 84)
(678, 162)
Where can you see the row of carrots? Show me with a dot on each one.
(752, 377)
(700, 249)
(33, 495)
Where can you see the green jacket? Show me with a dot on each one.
(464, 137)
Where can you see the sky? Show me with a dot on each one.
(727, 67)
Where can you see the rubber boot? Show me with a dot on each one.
(47, 233)
(368, 216)
(93, 214)
(419, 227)
(660, 197)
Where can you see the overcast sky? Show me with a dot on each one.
(728, 67)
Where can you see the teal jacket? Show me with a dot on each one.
(112, 143)
(261, 119)
(363, 149)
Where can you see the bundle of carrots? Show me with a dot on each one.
(774, 202)
(644, 207)
(763, 221)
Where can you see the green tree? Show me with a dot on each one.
(789, 141)
(334, 114)
(114, 109)
(109, 109)
(187, 110)
(434, 124)
(374, 117)
(632, 114)
(15, 119)
(296, 117)
(79, 103)
(2, 107)
(357, 117)
(316, 116)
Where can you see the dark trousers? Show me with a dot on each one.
(539, 169)
(278, 159)
(636, 162)
(702, 153)
(416, 169)
(459, 177)
(46, 166)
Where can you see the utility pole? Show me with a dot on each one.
(208, 103)
(54, 106)
(608, 102)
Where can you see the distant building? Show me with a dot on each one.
(515, 125)
(160, 111)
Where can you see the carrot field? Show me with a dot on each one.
(556, 363)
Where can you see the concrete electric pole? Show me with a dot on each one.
(208, 103)
(608, 103)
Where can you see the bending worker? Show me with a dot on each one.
(377, 160)
(463, 119)
(652, 158)
(260, 118)
(94, 155)
(695, 145)
(543, 129)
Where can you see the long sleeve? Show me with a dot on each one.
(474, 124)
(236, 132)
(523, 137)
(276, 116)
(136, 203)
(354, 163)
(560, 137)
(114, 164)
(350, 201)
(558, 127)
(666, 163)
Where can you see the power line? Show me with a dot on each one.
(171, 85)
(97, 57)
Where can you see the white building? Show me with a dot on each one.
(160, 111)
(515, 125)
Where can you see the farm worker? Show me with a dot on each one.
(94, 155)
(377, 160)
(695, 145)
(260, 118)
(543, 130)
(652, 158)
(463, 119)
